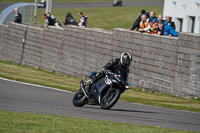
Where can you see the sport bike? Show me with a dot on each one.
(105, 92)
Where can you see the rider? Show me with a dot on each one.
(111, 66)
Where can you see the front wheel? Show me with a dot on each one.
(79, 98)
(110, 98)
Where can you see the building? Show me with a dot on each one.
(185, 14)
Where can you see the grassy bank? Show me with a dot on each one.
(13, 122)
(46, 78)
(105, 18)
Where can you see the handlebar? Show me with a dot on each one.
(108, 72)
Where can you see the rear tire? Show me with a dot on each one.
(79, 98)
(109, 101)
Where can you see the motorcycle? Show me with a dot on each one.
(105, 92)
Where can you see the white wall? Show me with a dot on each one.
(183, 9)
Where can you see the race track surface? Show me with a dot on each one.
(96, 4)
(32, 99)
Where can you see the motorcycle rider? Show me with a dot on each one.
(114, 64)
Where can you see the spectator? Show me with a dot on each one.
(160, 28)
(170, 23)
(153, 17)
(166, 30)
(154, 27)
(147, 15)
(159, 19)
(144, 26)
(48, 21)
(53, 18)
(83, 20)
(18, 16)
(69, 20)
(137, 21)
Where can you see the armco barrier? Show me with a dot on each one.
(164, 64)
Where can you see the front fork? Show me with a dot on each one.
(82, 84)
(109, 90)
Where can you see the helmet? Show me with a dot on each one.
(125, 59)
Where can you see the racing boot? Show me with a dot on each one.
(89, 85)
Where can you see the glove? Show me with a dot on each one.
(107, 72)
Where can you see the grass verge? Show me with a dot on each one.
(25, 122)
(105, 18)
(46, 78)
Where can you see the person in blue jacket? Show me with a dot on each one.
(166, 30)
(153, 17)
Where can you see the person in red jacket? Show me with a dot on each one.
(154, 27)
(83, 20)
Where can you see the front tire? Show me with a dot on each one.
(79, 98)
(110, 100)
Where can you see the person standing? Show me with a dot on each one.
(18, 16)
(160, 18)
(144, 25)
(170, 23)
(153, 17)
(53, 18)
(166, 30)
(48, 21)
(137, 21)
(83, 20)
(154, 27)
(70, 20)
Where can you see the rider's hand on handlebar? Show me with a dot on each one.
(107, 72)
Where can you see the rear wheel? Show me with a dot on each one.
(79, 98)
(110, 99)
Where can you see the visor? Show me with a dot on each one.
(127, 62)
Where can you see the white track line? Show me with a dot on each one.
(35, 85)
(73, 93)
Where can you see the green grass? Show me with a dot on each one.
(12, 122)
(38, 76)
(46, 78)
(161, 100)
(71, 0)
(105, 18)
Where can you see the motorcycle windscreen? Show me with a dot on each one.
(122, 74)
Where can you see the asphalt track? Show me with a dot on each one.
(96, 4)
(20, 97)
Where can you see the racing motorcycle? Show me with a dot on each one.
(105, 92)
